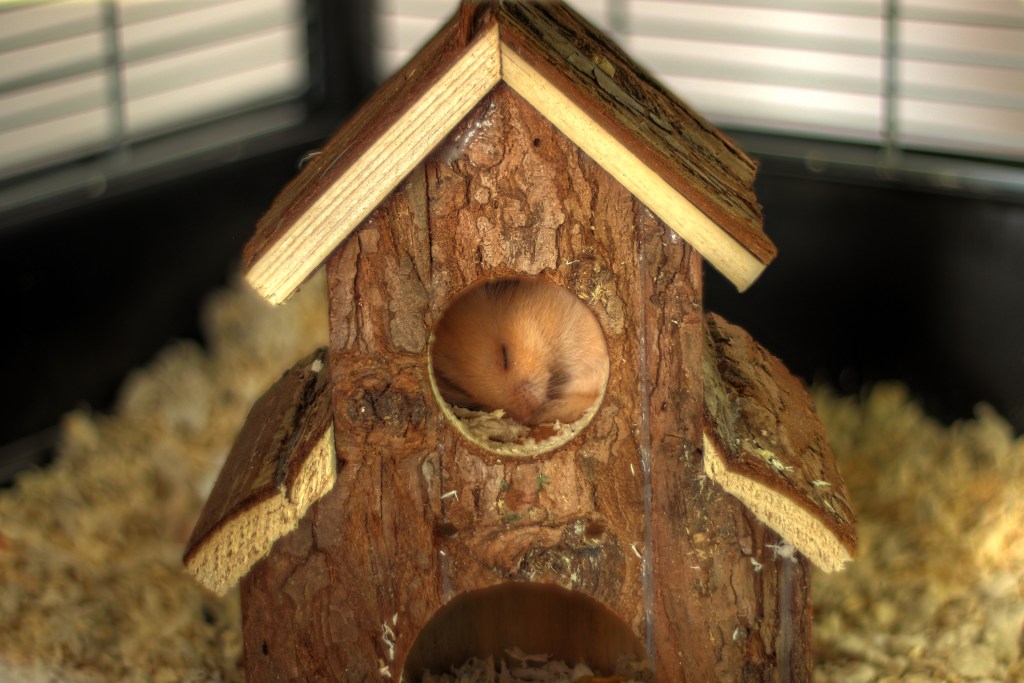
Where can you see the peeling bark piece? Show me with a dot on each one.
(282, 462)
(764, 444)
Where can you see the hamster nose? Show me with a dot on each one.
(527, 397)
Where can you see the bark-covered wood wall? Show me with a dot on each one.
(420, 516)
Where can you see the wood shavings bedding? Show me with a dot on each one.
(501, 434)
(938, 592)
(520, 667)
(90, 547)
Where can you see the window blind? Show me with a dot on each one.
(98, 77)
(960, 81)
(934, 76)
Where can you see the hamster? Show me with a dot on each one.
(523, 345)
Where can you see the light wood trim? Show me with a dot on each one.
(794, 523)
(727, 255)
(315, 234)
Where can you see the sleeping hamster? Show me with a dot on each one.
(523, 345)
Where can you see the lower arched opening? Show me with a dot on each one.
(531, 618)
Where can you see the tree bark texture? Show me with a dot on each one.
(622, 518)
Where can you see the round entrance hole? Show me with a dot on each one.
(519, 365)
(528, 618)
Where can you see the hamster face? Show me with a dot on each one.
(523, 345)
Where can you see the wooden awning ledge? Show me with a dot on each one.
(282, 462)
(764, 444)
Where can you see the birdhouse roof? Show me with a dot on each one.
(681, 167)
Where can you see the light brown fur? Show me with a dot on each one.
(526, 346)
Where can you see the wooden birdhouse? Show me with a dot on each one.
(666, 513)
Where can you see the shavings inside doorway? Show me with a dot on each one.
(520, 667)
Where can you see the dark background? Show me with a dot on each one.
(875, 279)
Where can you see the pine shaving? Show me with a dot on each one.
(521, 667)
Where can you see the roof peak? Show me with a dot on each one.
(688, 173)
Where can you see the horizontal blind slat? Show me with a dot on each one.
(134, 12)
(941, 55)
(935, 126)
(424, 9)
(741, 63)
(79, 68)
(1000, 13)
(982, 46)
(168, 110)
(995, 87)
(862, 8)
(216, 60)
(726, 22)
(139, 49)
(69, 57)
(52, 100)
(26, 25)
(405, 33)
(64, 31)
(54, 139)
(643, 27)
(781, 108)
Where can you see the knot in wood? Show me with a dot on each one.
(587, 558)
(389, 404)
